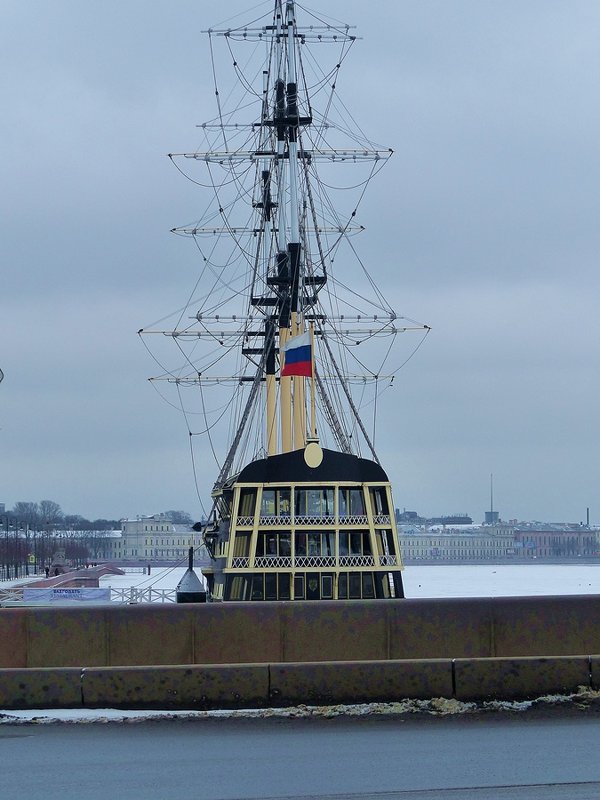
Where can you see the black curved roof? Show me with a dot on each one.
(292, 468)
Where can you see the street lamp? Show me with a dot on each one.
(35, 551)
(27, 549)
(5, 559)
(16, 548)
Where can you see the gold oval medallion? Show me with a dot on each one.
(313, 454)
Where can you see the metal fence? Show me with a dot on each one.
(143, 595)
(13, 596)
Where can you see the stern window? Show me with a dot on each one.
(247, 503)
(313, 502)
(352, 503)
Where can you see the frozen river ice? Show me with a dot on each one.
(452, 580)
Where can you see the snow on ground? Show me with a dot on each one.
(4, 584)
(501, 580)
(436, 706)
(448, 580)
(159, 578)
(451, 580)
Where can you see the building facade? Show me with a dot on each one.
(500, 542)
(153, 538)
(556, 541)
(494, 543)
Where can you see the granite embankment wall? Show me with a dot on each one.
(279, 654)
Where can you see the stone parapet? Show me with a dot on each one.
(353, 651)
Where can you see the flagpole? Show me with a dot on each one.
(313, 414)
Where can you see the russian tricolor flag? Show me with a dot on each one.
(297, 354)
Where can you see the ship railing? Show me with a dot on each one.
(272, 561)
(267, 521)
(314, 561)
(273, 520)
(243, 562)
(286, 520)
(357, 561)
(315, 519)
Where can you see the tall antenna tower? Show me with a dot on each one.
(491, 516)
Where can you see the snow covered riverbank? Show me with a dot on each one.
(452, 580)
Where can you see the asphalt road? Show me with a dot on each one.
(551, 756)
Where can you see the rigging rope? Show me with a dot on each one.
(334, 421)
(351, 401)
(250, 402)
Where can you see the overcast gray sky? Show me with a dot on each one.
(485, 223)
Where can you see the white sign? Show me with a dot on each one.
(77, 594)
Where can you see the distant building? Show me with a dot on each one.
(414, 518)
(471, 543)
(407, 516)
(453, 519)
(500, 542)
(548, 540)
(153, 538)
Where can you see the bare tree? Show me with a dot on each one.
(50, 512)
(179, 517)
(27, 512)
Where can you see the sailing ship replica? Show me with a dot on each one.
(298, 513)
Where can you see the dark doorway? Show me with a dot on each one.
(313, 588)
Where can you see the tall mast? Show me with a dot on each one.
(278, 113)
(293, 118)
(267, 210)
(289, 257)
(294, 250)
